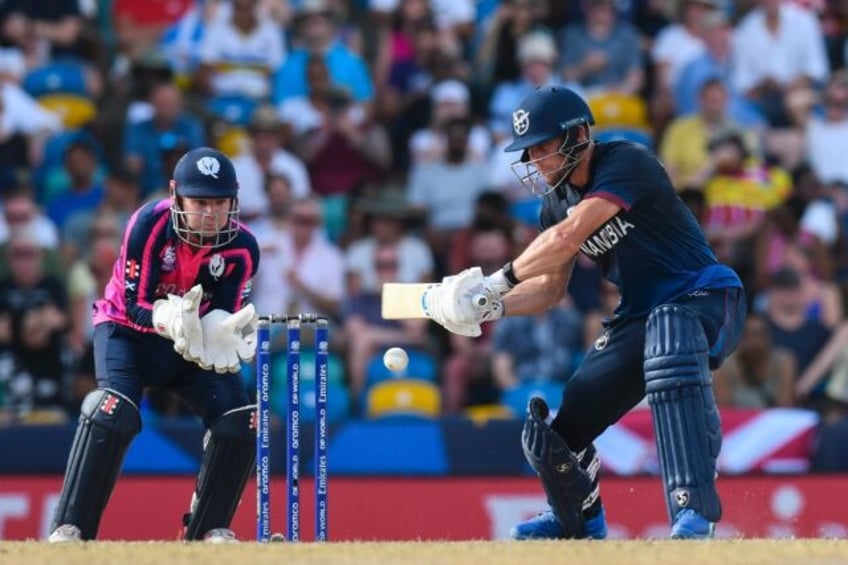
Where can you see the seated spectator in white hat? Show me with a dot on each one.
(449, 99)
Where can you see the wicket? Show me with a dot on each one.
(263, 428)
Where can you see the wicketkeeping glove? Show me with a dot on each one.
(228, 339)
(178, 319)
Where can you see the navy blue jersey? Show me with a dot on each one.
(653, 249)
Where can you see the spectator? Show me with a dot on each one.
(87, 278)
(267, 156)
(56, 27)
(85, 192)
(388, 215)
(525, 351)
(738, 195)
(491, 212)
(170, 128)
(346, 150)
(365, 330)
(139, 27)
(239, 54)
(685, 146)
(715, 62)
(827, 131)
(601, 53)
(20, 210)
(120, 200)
(450, 100)
(502, 33)
(446, 190)
(537, 57)
(675, 46)
(302, 271)
(467, 373)
(791, 324)
(778, 49)
(33, 319)
(315, 26)
(757, 375)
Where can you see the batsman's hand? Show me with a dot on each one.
(460, 303)
(178, 319)
(228, 339)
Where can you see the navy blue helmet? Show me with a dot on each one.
(550, 112)
(204, 173)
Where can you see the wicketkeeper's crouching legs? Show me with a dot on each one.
(228, 458)
(107, 425)
(569, 480)
(686, 421)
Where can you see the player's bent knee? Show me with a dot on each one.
(112, 410)
(676, 349)
(236, 424)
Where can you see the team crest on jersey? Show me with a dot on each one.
(216, 266)
(520, 121)
(169, 259)
(209, 166)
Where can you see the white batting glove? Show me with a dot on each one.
(178, 319)
(460, 303)
(228, 339)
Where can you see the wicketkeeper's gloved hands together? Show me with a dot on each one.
(178, 318)
(228, 339)
(460, 303)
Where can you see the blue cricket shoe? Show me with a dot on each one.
(688, 524)
(546, 526)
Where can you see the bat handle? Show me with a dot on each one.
(480, 300)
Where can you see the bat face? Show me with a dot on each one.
(402, 301)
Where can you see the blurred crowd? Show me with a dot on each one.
(367, 136)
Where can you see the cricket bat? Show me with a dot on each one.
(402, 301)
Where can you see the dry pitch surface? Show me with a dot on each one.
(724, 552)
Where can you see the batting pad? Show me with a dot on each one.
(686, 420)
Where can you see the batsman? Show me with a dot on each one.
(173, 315)
(680, 315)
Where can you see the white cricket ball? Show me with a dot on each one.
(395, 359)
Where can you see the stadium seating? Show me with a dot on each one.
(403, 397)
(516, 398)
(60, 87)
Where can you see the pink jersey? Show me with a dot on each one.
(154, 262)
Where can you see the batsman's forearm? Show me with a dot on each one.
(546, 254)
(536, 295)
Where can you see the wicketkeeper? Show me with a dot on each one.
(174, 315)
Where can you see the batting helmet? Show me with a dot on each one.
(549, 112)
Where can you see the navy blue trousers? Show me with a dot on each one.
(128, 361)
(611, 379)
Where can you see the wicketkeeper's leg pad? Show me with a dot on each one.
(107, 425)
(686, 420)
(566, 484)
(228, 458)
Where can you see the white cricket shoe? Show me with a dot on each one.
(65, 533)
(220, 535)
